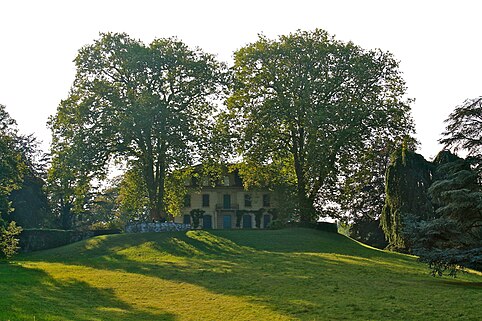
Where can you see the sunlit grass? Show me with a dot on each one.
(230, 275)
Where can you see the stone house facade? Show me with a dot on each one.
(227, 205)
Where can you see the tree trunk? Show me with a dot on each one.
(160, 178)
(66, 217)
(154, 175)
(150, 180)
(305, 204)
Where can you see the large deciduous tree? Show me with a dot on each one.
(320, 105)
(148, 104)
(464, 130)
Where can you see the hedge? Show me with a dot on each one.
(42, 239)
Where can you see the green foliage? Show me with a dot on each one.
(68, 184)
(36, 239)
(9, 242)
(176, 190)
(22, 169)
(196, 215)
(358, 196)
(151, 105)
(103, 210)
(279, 178)
(11, 169)
(133, 199)
(408, 178)
(456, 191)
(464, 130)
(451, 260)
(12, 166)
(30, 204)
(29, 201)
(367, 231)
(113, 224)
(239, 217)
(317, 106)
(277, 225)
(453, 240)
(258, 214)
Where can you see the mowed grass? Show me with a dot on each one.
(230, 275)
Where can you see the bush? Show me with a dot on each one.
(451, 261)
(9, 242)
(196, 215)
(110, 225)
(327, 227)
(239, 216)
(368, 231)
(277, 225)
(41, 239)
(257, 216)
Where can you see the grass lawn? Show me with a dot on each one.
(230, 275)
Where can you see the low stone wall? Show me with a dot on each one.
(145, 227)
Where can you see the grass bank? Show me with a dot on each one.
(230, 275)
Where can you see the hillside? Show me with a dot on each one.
(230, 275)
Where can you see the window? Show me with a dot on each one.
(247, 200)
(266, 200)
(187, 200)
(186, 219)
(226, 201)
(205, 200)
(226, 181)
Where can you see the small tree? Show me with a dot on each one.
(196, 215)
(9, 242)
(258, 215)
(239, 217)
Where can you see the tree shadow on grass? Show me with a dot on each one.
(308, 276)
(29, 294)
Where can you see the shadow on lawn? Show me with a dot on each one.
(278, 271)
(36, 295)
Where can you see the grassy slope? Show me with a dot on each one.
(230, 275)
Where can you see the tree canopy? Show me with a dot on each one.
(14, 163)
(454, 238)
(149, 104)
(12, 166)
(408, 178)
(463, 130)
(318, 105)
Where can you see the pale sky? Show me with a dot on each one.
(438, 44)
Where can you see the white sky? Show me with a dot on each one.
(437, 43)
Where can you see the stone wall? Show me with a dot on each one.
(144, 227)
